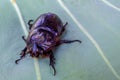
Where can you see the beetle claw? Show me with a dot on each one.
(30, 24)
(52, 62)
(16, 62)
(22, 55)
(52, 65)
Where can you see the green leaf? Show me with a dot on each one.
(94, 22)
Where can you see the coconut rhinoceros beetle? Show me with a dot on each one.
(44, 35)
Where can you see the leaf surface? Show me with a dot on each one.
(85, 61)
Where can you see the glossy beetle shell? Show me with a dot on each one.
(45, 31)
(49, 21)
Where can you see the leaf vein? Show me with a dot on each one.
(111, 5)
(90, 38)
(36, 64)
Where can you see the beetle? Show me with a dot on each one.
(44, 35)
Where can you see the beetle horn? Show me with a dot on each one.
(35, 50)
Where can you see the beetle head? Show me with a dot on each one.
(35, 50)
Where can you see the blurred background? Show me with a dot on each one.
(99, 18)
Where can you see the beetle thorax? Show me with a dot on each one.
(43, 39)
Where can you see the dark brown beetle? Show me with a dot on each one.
(44, 36)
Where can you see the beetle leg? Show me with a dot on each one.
(23, 53)
(67, 41)
(65, 24)
(30, 24)
(52, 62)
(23, 37)
(64, 28)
